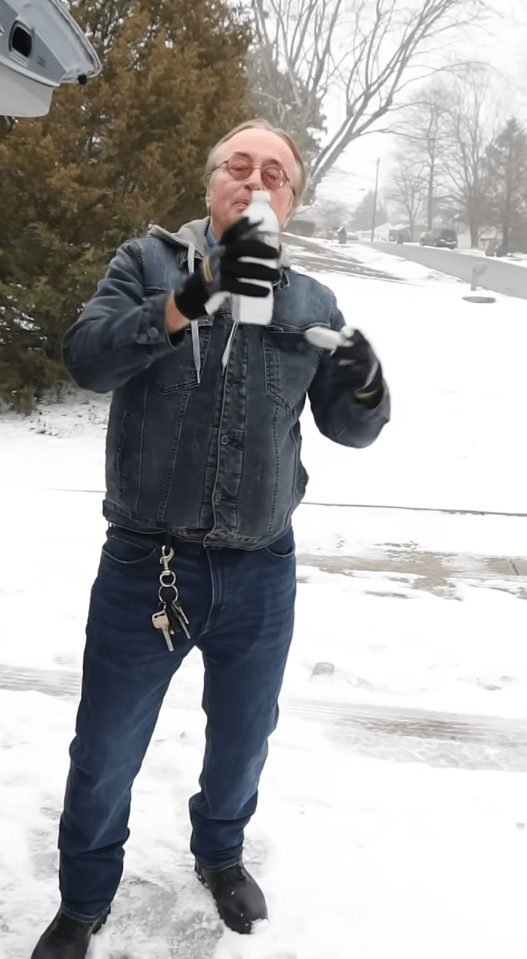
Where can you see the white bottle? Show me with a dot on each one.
(258, 309)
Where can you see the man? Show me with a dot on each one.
(203, 474)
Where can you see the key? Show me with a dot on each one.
(175, 622)
(161, 622)
(177, 618)
(178, 609)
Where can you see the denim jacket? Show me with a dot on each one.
(203, 436)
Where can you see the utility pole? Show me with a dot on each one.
(375, 202)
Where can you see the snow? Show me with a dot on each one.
(456, 374)
(366, 843)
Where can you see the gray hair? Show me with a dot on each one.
(260, 124)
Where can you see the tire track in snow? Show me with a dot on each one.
(383, 732)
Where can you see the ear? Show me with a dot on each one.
(208, 194)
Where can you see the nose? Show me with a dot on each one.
(254, 180)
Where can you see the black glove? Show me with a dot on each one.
(220, 272)
(357, 363)
(354, 364)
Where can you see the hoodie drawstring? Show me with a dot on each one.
(195, 327)
(227, 350)
(195, 348)
(194, 323)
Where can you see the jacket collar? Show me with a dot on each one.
(193, 236)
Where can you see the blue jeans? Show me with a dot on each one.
(240, 605)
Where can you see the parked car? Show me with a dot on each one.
(439, 237)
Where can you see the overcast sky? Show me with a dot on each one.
(501, 42)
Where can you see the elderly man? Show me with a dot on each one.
(203, 475)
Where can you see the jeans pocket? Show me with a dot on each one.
(284, 547)
(127, 553)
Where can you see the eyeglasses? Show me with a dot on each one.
(240, 167)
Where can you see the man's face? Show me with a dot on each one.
(228, 198)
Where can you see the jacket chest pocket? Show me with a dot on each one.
(290, 365)
(179, 370)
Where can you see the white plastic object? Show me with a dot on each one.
(327, 339)
(258, 309)
(41, 47)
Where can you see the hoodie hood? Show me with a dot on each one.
(193, 236)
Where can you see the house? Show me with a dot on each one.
(306, 221)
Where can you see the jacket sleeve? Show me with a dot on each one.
(121, 331)
(337, 413)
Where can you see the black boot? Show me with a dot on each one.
(239, 899)
(67, 938)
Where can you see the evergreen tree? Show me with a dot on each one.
(506, 172)
(125, 150)
(362, 217)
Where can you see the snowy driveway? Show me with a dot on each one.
(392, 813)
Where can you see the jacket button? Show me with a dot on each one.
(217, 497)
(301, 347)
(152, 333)
(224, 440)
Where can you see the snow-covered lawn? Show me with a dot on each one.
(358, 855)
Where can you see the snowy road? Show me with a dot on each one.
(502, 276)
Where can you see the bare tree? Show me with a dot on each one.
(469, 127)
(423, 127)
(364, 52)
(408, 187)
